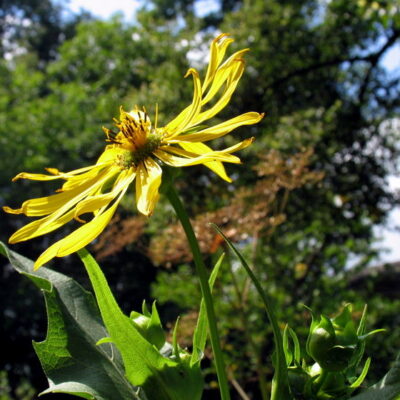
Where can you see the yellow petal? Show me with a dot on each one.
(100, 201)
(80, 237)
(40, 227)
(215, 166)
(217, 51)
(223, 74)
(232, 82)
(62, 215)
(185, 118)
(239, 146)
(148, 181)
(35, 177)
(47, 205)
(110, 153)
(191, 158)
(10, 210)
(55, 174)
(220, 130)
(78, 179)
(218, 155)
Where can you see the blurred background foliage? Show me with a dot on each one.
(302, 207)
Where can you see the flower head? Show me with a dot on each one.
(135, 151)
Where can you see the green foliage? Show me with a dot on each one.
(314, 68)
(149, 325)
(336, 347)
(387, 388)
(24, 391)
(160, 377)
(77, 357)
(69, 355)
(200, 332)
(185, 291)
(280, 384)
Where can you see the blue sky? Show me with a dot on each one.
(391, 60)
(106, 8)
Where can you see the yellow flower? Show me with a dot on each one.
(135, 151)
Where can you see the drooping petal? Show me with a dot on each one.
(148, 181)
(47, 205)
(239, 146)
(55, 174)
(76, 180)
(40, 227)
(80, 237)
(97, 202)
(192, 158)
(35, 177)
(62, 215)
(215, 166)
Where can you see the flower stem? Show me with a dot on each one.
(205, 290)
(280, 383)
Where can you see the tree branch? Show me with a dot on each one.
(372, 58)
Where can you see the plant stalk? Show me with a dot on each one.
(205, 290)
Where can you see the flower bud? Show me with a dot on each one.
(149, 326)
(332, 342)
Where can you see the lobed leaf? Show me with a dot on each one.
(69, 356)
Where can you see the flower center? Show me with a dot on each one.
(136, 136)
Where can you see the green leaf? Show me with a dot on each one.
(69, 356)
(175, 345)
(149, 325)
(160, 377)
(291, 355)
(286, 348)
(388, 388)
(296, 344)
(361, 324)
(200, 332)
(363, 374)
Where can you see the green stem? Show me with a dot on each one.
(280, 383)
(319, 382)
(240, 306)
(205, 290)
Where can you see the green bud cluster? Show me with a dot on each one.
(333, 342)
(149, 325)
(336, 347)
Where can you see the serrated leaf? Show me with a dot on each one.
(69, 356)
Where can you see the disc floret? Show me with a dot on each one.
(136, 136)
